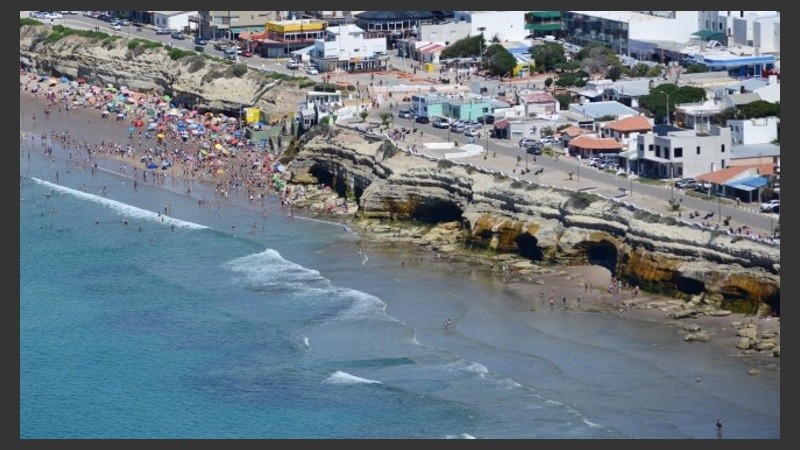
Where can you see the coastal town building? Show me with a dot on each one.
(331, 17)
(538, 103)
(282, 37)
(457, 107)
(680, 153)
(348, 48)
(626, 31)
(229, 24)
(172, 20)
(394, 25)
(494, 25)
(544, 23)
(741, 27)
(761, 130)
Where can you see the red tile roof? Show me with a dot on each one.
(722, 176)
(592, 143)
(572, 131)
(630, 124)
(538, 98)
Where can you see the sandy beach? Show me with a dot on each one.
(579, 288)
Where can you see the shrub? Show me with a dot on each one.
(517, 184)
(470, 170)
(28, 21)
(581, 200)
(239, 70)
(196, 63)
(177, 53)
(445, 164)
(388, 149)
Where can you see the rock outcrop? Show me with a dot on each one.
(208, 82)
(547, 225)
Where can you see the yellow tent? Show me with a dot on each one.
(252, 115)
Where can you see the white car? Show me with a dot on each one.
(311, 70)
(771, 205)
(116, 26)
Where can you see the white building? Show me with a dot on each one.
(503, 25)
(349, 48)
(771, 92)
(760, 130)
(683, 153)
(757, 30)
(447, 32)
(172, 20)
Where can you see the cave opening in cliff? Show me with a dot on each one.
(326, 178)
(528, 247)
(603, 253)
(437, 212)
(689, 286)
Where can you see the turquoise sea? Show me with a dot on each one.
(216, 322)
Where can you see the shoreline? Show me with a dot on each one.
(535, 285)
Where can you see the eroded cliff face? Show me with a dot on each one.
(549, 225)
(206, 82)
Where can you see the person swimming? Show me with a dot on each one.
(447, 324)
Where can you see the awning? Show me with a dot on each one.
(546, 14)
(748, 184)
(709, 35)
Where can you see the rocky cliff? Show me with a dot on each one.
(208, 82)
(546, 225)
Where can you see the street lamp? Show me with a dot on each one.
(480, 47)
(667, 118)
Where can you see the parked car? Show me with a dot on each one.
(534, 150)
(771, 205)
(246, 54)
(487, 119)
(473, 130)
(422, 119)
(311, 70)
(687, 183)
(526, 142)
(405, 113)
(178, 35)
(458, 126)
(116, 26)
(200, 41)
(162, 31)
(440, 122)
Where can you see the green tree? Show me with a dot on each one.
(363, 114)
(385, 117)
(564, 100)
(640, 70)
(468, 46)
(598, 59)
(548, 82)
(656, 100)
(696, 68)
(614, 73)
(499, 61)
(760, 108)
(655, 71)
(547, 56)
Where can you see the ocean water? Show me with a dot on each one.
(217, 322)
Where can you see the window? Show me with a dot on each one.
(722, 149)
(641, 147)
(678, 152)
(650, 147)
(722, 164)
(666, 153)
(706, 23)
(698, 149)
(658, 151)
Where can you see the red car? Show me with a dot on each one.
(247, 53)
